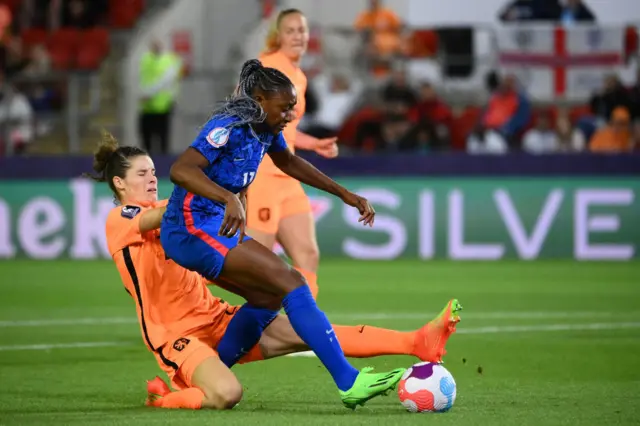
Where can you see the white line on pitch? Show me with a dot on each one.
(479, 330)
(356, 316)
(72, 345)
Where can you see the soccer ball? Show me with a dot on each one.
(427, 387)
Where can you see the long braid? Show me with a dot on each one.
(241, 104)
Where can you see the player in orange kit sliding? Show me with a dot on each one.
(182, 322)
(277, 207)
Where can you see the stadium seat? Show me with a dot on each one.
(88, 58)
(93, 47)
(97, 38)
(347, 133)
(123, 14)
(60, 58)
(462, 126)
(67, 37)
(34, 36)
(63, 46)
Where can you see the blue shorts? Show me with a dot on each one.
(197, 246)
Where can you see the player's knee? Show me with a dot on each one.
(280, 279)
(308, 258)
(223, 395)
(230, 395)
(294, 280)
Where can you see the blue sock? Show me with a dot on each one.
(243, 332)
(313, 327)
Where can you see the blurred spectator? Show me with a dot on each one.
(492, 82)
(422, 44)
(612, 95)
(636, 136)
(569, 138)
(508, 111)
(39, 63)
(13, 58)
(423, 138)
(530, 10)
(160, 73)
(382, 26)
(395, 133)
(16, 118)
(542, 139)
(574, 11)
(482, 141)
(79, 14)
(383, 135)
(398, 90)
(616, 136)
(432, 111)
(634, 98)
(566, 11)
(337, 98)
(39, 13)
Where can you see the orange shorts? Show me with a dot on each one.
(271, 198)
(181, 355)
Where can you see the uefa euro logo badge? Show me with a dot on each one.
(218, 137)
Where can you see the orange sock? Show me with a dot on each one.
(363, 341)
(312, 280)
(190, 398)
(255, 354)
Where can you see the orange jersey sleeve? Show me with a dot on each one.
(280, 62)
(123, 227)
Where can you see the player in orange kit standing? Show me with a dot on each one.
(182, 322)
(277, 206)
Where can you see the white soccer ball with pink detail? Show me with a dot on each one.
(427, 387)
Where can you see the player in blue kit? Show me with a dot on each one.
(203, 227)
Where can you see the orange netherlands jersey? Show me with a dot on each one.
(170, 299)
(280, 62)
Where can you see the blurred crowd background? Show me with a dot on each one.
(545, 77)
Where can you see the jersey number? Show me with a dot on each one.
(248, 178)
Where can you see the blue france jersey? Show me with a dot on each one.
(234, 154)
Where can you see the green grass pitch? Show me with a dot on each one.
(558, 343)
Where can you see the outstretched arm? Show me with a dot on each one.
(300, 169)
(151, 219)
(326, 147)
(303, 171)
(305, 141)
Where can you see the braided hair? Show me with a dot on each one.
(241, 104)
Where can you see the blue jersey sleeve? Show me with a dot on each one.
(278, 144)
(212, 140)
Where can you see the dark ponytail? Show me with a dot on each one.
(111, 160)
